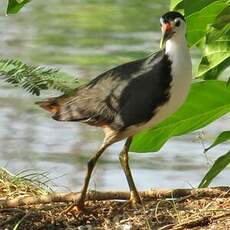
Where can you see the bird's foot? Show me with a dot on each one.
(76, 207)
(134, 201)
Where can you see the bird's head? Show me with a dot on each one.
(172, 26)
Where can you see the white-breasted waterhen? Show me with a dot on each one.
(131, 97)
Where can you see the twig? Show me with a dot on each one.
(201, 221)
(114, 195)
(20, 221)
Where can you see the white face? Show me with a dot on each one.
(172, 30)
(178, 26)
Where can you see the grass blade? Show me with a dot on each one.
(217, 167)
(224, 136)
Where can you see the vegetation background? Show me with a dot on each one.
(56, 40)
(87, 38)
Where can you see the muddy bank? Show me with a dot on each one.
(207, 209)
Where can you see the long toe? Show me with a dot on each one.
(135, 199)
(73, 208)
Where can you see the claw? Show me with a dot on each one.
(73, 208)
(135, 199)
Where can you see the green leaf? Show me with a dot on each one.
(221, 163)
(15, 5)
(223, 18)
(215, 33)
(224, 136)
(215, 71)
(34, 79)
(216, 57)
(200, 14)
(207, 101)
(197, 5)
(176, 4)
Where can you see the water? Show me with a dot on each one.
(85, 38)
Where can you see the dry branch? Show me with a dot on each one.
(201, 221)
(115, 195)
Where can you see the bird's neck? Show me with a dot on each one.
(178, 52)
(176, 45)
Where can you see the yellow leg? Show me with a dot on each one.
(124, 160)
(79, 204)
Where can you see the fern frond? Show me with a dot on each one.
(34, 79)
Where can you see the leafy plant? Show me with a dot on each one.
(221, 163)
(15, 5)
(223, 137)
(212, 36)
(34, 79)
(208, 23)
(216, 53)
(191, 116)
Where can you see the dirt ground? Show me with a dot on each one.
(190, 212)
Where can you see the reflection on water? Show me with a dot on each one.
(87, 37)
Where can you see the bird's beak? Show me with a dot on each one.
(167, 32)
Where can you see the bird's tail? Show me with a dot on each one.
(51, 105)
(60, 110)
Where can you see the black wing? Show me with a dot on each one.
(123, 96)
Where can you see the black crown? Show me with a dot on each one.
(171, 15)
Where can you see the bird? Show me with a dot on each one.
(130, 97)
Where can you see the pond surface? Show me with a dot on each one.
(84, 38)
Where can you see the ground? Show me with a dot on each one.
(190, 212)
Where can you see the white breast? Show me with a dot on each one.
(181, 71)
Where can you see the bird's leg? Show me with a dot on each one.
(79, 204)
(124, 160)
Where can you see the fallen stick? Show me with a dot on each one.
(201, 221)
(115, 195)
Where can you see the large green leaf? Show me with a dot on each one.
(176, 4)
(207, 101)
(200, 14)
(214, 25)
(224, 136)
(216, 55)
(215, 71)
(223, 18)
(221, 163)
(197, 5)
(15, 5)
(217, 48)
